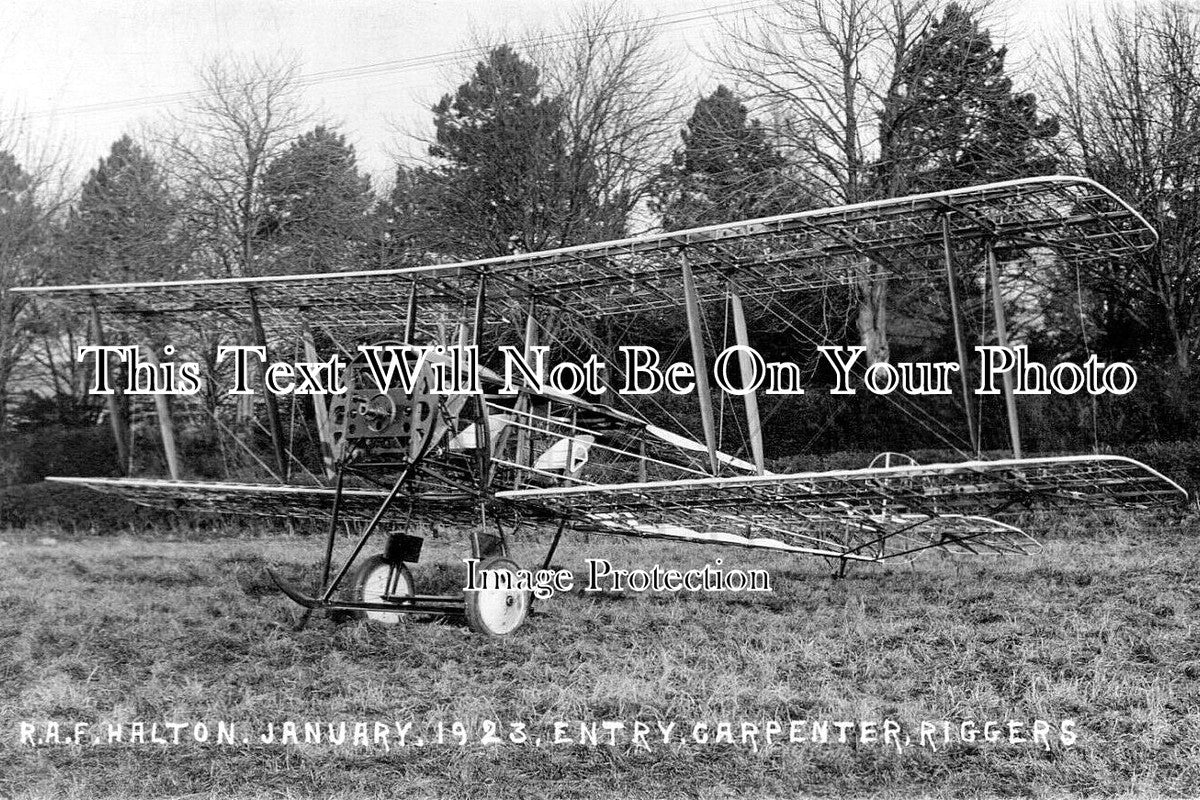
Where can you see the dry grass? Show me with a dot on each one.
(1099, 627)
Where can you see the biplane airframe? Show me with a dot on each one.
(495, 461)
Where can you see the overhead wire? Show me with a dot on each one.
(397, 66)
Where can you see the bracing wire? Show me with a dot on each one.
(1087, 348)
(918, 414)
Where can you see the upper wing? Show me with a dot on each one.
(869, 514)
(786, 253)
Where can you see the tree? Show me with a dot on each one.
(317, 205)
(726, 170)
(1128, 89)
(503, 155)
(406, 219)
(123, 226)
(821, 70)
(619, 104)
(244, 118)
(24, 228)
(878, 98)
(951, 117)
(555, 146)
(121, 229)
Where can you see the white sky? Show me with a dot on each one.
(59, 58)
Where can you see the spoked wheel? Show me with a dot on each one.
(376, 579)
(497, 611)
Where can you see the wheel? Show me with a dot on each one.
(888, 459)
(497, 612)
(376, 578)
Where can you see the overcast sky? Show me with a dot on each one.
(84, 71)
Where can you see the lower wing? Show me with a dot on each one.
(868, 514)
(268, 500)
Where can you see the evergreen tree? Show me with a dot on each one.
(317, 205)
(122, 228)
(504, 160)
(23, 234)
(407, 220)
(726, 170)
(951, 117)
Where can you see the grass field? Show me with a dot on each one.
(1098, 628)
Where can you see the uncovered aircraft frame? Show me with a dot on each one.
(496, 462)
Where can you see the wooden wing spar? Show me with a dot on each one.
(809, 250)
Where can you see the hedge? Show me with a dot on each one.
(73, 508)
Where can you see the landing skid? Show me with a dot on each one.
(408, 604)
